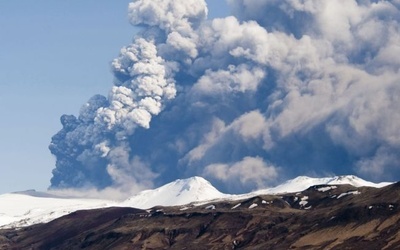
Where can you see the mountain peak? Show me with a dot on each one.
(192, 183)
(179, 192)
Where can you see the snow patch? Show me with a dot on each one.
(348, 193)
(253, 205)
(210, 207)
(303, 201)
(324, 189)
(236, 206)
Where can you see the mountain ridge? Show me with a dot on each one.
(38, 207)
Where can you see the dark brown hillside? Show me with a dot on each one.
(321, 217)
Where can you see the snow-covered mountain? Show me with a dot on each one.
(179, 192)
(27, 208)
(23, 209)
(30, 207)
(303, 182)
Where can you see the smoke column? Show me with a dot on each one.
(278, 89)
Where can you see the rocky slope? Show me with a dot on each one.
(321, 217)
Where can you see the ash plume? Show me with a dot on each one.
(278, 89)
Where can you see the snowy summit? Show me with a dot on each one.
(179, 192)
(303, 182)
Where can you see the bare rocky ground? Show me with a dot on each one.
(321, 217)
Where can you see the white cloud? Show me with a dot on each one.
(250, 125)
(234, 79)
(250, 171)
(133, 102)
(169, 15)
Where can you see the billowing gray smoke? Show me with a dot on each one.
(281, 88)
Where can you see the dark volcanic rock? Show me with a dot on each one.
(321, 217)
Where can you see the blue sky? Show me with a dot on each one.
(54, 55)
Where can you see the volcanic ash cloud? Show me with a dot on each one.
(280, 88)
